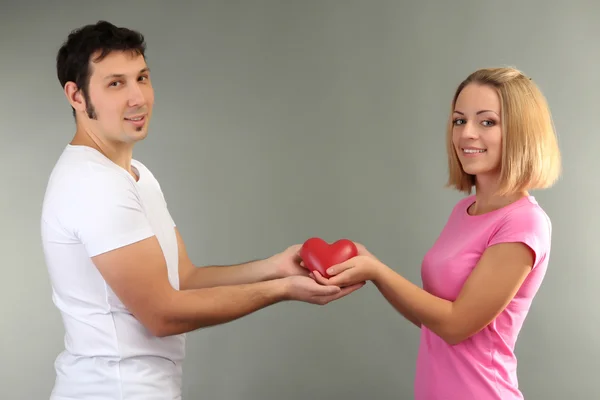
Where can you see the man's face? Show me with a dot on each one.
(119, 99)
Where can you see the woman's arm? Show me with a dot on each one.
(488, 290)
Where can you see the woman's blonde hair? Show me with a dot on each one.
(530, 155)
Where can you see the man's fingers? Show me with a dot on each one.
(326, 290)
(304, 272)
(345, 291)
(349, 289)
(295, 248)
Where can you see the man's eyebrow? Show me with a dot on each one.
(112, 76)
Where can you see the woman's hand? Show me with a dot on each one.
(358, 269)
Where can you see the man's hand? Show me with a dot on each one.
(288, 263)
(302, 288)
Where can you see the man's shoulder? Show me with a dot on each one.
(147, 177)
(143, 169)
(81, 164)
(81, 176)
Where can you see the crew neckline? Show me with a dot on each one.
(134, 168)
(471, 200)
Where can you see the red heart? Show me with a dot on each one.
(319, 255)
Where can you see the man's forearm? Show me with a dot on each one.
(240, 274)
(192, 309)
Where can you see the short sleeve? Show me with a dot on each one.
(150, 176)
(109, 213)
(529, 226)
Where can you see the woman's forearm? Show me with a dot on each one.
(389, 296)
(416, 304)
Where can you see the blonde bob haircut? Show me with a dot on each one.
(530, 155)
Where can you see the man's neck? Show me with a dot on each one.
(120, 154)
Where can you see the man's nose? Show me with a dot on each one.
(136, 96)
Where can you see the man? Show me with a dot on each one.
(120, 274)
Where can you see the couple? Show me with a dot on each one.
(128, 292)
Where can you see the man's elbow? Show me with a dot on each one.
(168, 326)
(155, 324)
(164, 331)
(158, 328)
(158, 321)
(168, 320)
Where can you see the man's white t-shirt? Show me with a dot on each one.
(93, 206)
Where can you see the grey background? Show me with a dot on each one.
(279, 120)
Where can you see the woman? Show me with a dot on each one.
(482, 273)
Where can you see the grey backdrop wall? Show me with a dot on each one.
(276, 121)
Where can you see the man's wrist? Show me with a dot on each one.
(280, 289)
(271, 269)
(260, 270)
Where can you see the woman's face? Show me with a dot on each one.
(476, 131)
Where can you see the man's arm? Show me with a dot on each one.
(281, 265)
(137, 273)
(194, 277)
(111, 223)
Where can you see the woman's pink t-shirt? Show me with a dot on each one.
(484, 366)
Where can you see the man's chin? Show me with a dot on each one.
(139, 136)
(133, 137)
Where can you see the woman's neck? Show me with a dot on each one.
(487, 200)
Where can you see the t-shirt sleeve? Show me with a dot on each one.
(171, 220)
(528, 226)
(159, 189)
(109, 214)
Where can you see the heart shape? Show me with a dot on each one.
(319, 255)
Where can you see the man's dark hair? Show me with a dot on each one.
(74, 57)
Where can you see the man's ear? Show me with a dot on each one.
(74, 96)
